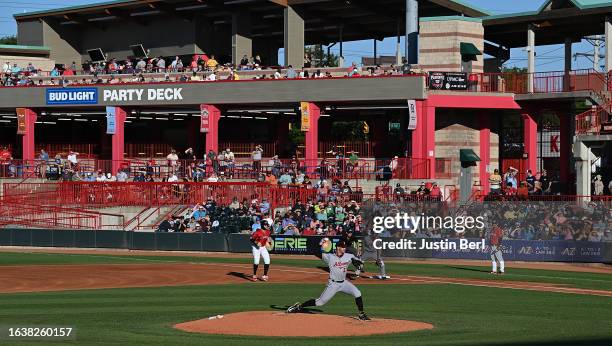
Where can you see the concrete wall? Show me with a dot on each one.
(440, 40)
(22, 61)
(460, 129)
(65, 43)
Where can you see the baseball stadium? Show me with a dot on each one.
(345, 172)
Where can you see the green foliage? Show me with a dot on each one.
(296, 135)
(8, 40)
(320, 58)
(514, 69)
(348, 131)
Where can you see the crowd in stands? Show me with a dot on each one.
(201, 68)
(328, 216)
(549, 220)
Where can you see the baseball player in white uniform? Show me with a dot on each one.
(370, 253)
(337, 262)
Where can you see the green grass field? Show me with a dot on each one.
(462, 315)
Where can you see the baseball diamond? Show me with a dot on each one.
(306, 172)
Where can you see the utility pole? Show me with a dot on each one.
(596, 41)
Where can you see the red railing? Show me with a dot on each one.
(242, 168)
(595, 121)
(542, 82)
(17, 211)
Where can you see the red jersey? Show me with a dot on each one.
(260, 237)
(496, 236)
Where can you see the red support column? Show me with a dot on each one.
(485, 150)
(530, 134)
(118, 139)
(211, 115)
(565, 139)
(424, 138)
(27, 130)
(312, 135)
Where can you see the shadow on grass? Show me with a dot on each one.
(470, 269)
(303, 311)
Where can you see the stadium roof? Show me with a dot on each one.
(554, 21)
(359, 19)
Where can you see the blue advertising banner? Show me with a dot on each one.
(533, 250)
(110, 121)
(71, 96)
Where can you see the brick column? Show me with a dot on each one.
(118, 139)
(27, 123)
(530, 135)
(210, 126)
(424, 138)
(312, 135)
(485, 150)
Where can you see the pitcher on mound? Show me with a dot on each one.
(338, 262)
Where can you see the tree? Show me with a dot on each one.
(514, 69)
(8, 40)
(320, 58)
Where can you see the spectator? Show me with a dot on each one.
(495, 182)
(256, 156)
(172, 161)
(530, 180)
(212, 63)
(598, 186)
(72, 159)
(545, 182)
(291, 74)
(161, 64)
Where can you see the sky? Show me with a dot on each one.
(549, 58)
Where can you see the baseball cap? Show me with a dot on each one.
(341, 244)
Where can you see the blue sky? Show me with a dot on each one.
(549, 58)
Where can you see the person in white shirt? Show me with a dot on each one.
(213, 178)
(172, 161)
(211, 77)
(72, 159)
(101, 177)
(122, 176)
(277, 74)
(110, 177)
(173, 178)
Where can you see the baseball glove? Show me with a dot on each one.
(326, 245)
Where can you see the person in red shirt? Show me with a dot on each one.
(260, 242)
(435, 192)
(495, 239)
(309, 231)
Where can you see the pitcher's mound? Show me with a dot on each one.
(273, 323)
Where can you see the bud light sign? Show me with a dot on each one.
(72, 96)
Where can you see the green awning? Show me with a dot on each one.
(467, 48)
(468, 155)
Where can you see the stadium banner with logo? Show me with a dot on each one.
(412, 115)
(22, 129)
(71, 96)
(532, 250)
(204, 119)
(111, 121)
(305, 116)
(448, 81)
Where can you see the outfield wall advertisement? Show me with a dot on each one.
(513, 250)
